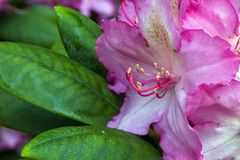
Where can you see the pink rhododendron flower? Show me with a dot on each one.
(214, 113)
(170, 64)
(102, 7)
(11, 140)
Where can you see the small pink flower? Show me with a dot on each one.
(102, 7)
(11, 140)
(169, 63)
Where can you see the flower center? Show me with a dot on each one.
(123, 6)
(154, 83)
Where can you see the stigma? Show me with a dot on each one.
(157, 83)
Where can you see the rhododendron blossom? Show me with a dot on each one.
(102, 7)
(214, 111)
(148, 51)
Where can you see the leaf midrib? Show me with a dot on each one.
(64, 73)
(88, 134)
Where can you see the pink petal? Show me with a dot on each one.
(103, 7)
(206, 60)
(118, 87)
(215, 115)
(159, 22)
(115, 85)
(177, 139)
(130, 11)
(138, 113)
(216, 17)
(122, 46)
(236, 5)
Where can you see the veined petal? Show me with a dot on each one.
(130, 12)
(158, 19)
(122, 46)
(138, 113)
(177, 139)
(236, 5)
(216, 17)
(206, 60)
(215, 114)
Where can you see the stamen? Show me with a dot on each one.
(123, 5)
(158, 75)
(162, 70)
(136, 20)
(137, 67)
(167, 74)
(129, 71)
(148, 81)
(140, 70)
(159, 84)
(146, 95)
(161, 94)
(139, 84)
(132, 82)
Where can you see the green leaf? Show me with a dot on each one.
(79, 34)
(20, 115)
(35, 26)
(89, 143)
(53, 82)
(59, 48)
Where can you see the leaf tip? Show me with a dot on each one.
(25, 151)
